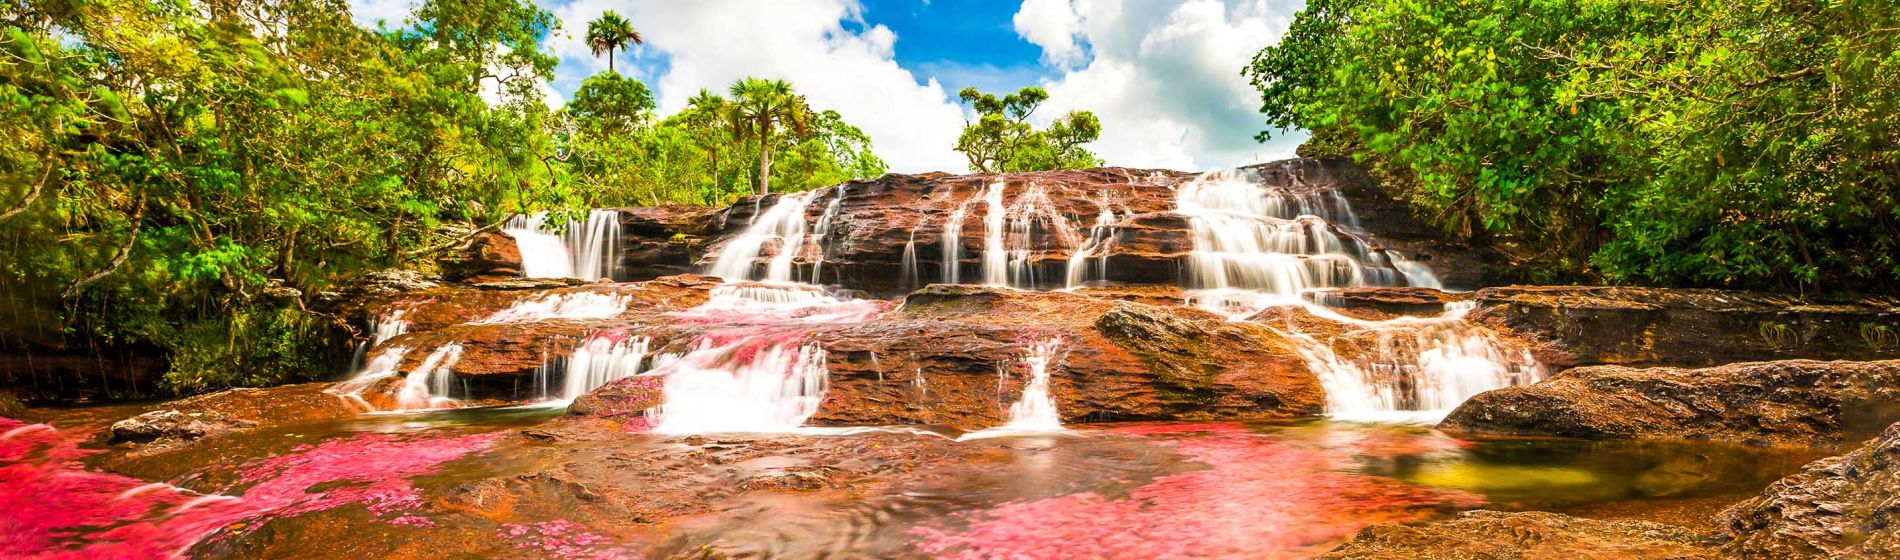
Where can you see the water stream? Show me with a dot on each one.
(586, 249)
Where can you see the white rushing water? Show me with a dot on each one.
(585, 250)
(378, 368)
(1035, 411)
(746, 385)
(428, 386)
(599, 360)
(782, 226)
(1258, 246)
(1081, 267)
(1413, 369)
(566, 305)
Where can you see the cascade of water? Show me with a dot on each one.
(389, 325)
(378, 368)
(429, 385)
(1413, 368)
(1036, 410)
(569, 305)
(785, 223)
(1096, 245)
(587, 250)
(823, 233)
(1033, 212)
(1255, 246)
(743, 386)
(952, 240)
(995, 259)
(907, 272)
(600, 360)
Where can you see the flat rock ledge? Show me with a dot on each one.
(1484, 534)
(1792, 402)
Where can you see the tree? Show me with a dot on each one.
(1002, 140)
(608, 103)
(761, 108)
(610, 32)
(1694, 142)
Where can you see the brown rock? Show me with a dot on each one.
(1385, 303)
(1796, 402)
(1838, 507)
(1499, 535)
(489, 255)
(1581, 325)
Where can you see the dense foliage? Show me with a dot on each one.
(1002, 140)
(1683, 142)
(191, 176)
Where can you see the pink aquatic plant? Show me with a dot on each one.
(561, 538)
(1261, 497)
(58, 509)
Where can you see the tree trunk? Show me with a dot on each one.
(765, 157)
(610, 60)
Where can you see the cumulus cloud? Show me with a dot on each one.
(850, 70)
(1052, 25)
(1165, 78)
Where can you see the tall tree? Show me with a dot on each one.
(759, 108)
(611, 32)
(1002, 140)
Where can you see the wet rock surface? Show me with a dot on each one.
(1503, 535)
(174, 425)
(1838, 507)
(1592, 325)
(1795, 402)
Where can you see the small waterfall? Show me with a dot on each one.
(602, 359)
(823, 231)
(995, 259)
(907, 272)
(740, 387)
(386, 326)
(1255, 246)
(586, 251)
(1033, 212)
(429, 385)
(953, 243)
(1035, 411)
(1414, 369)
(784, 222)
(1097, 245)
(378, 368)
(568, 305)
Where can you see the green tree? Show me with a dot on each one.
(1691, 142)
(762, 108)
(608, 33)
(608, 103)
(1002, 140)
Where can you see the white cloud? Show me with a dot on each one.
(390, 12)
(1052, 25)
(711, 44)
(1165, 79)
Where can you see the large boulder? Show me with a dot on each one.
(1500, 535)
(1838, 507)
(1796, 402)
(488, 256)
(233, 410)
(1592, 325)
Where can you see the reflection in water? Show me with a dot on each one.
(429, 481)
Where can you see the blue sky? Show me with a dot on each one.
(1162, 75)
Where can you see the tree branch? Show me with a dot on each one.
(34, 194)
(125, 252)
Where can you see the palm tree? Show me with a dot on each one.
(708, 111)
(758, 106)
(610, 32)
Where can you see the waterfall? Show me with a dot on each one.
(823, 231)
(586, 251)
(742, 386)
(602, 359)
(1035, 411)
(995, 260)
(428, 386)
(907, 272)
(1033, 212)
(567, 305)
(953, 243)
(1097, 245)
(1255, 246)
(378, 368)
(388, 325)
(784, 222)
(1413, 368)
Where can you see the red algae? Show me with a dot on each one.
(1261, 497)
(561, 538)
(56, 509)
